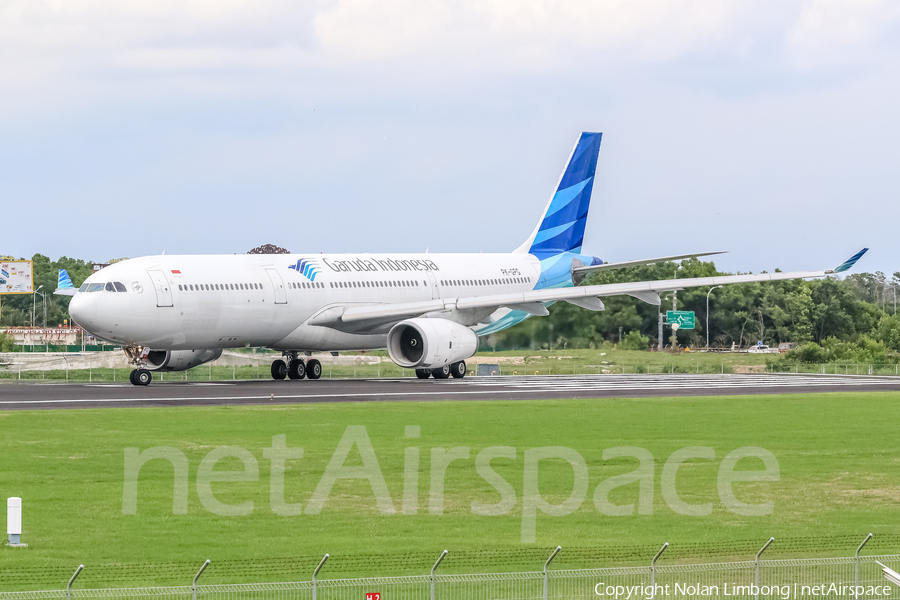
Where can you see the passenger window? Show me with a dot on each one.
(179, 288)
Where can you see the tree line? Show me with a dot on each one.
(833, 318)
(843, 317)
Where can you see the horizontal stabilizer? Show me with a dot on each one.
(637, 263)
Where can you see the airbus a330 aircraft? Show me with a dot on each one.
(171, 313)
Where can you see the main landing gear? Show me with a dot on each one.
(457, 370)
(294, 367)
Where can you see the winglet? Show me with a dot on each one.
(847, 264)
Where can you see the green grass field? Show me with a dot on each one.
(837, 454)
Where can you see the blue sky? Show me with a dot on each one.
(765, 128)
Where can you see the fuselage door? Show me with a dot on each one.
(435, 294)
(278, 284)
(163, 290)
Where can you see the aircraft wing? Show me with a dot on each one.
(374, 316)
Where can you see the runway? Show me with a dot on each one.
(43, 396)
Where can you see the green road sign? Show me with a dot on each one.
(684, 318)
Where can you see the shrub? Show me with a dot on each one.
(633, 340)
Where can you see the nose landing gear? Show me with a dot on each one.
(137, 355)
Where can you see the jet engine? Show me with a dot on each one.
(179, 360)
(430, 343)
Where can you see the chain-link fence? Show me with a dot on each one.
(849, 578)
(236, 366)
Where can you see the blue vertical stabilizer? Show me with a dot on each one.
(561, 228)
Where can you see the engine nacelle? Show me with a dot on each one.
(179, 360)
(430, 343)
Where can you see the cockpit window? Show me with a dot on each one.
(95, 287)
(119, 287)
(109, 287)
(83, 287)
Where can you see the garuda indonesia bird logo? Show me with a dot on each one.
(307, 267)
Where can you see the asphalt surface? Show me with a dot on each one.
(43, 396)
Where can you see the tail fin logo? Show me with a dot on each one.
(307, 267)
(64, 282)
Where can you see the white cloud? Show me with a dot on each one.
(543, 31)
(839, 32)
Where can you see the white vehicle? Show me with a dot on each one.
(171, 313)
(762, 349)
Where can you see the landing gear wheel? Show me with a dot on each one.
(296, 369)
(313, 369)
(458, 370)
(279, 369)
(423, 373)
(441, 372)
(131, 377)
(142, 377)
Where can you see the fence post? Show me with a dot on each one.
(316, 573)
(758, 554)
(197, 576)
(71, 581)
(440, 558)
(653, 570)
(864, 542)
(546, 564)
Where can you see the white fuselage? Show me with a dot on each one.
(222, 301)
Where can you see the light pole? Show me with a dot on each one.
(675, 292)
(43, 306)
(33, 304)
(707, 314)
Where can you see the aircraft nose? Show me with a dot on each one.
(80, 310)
